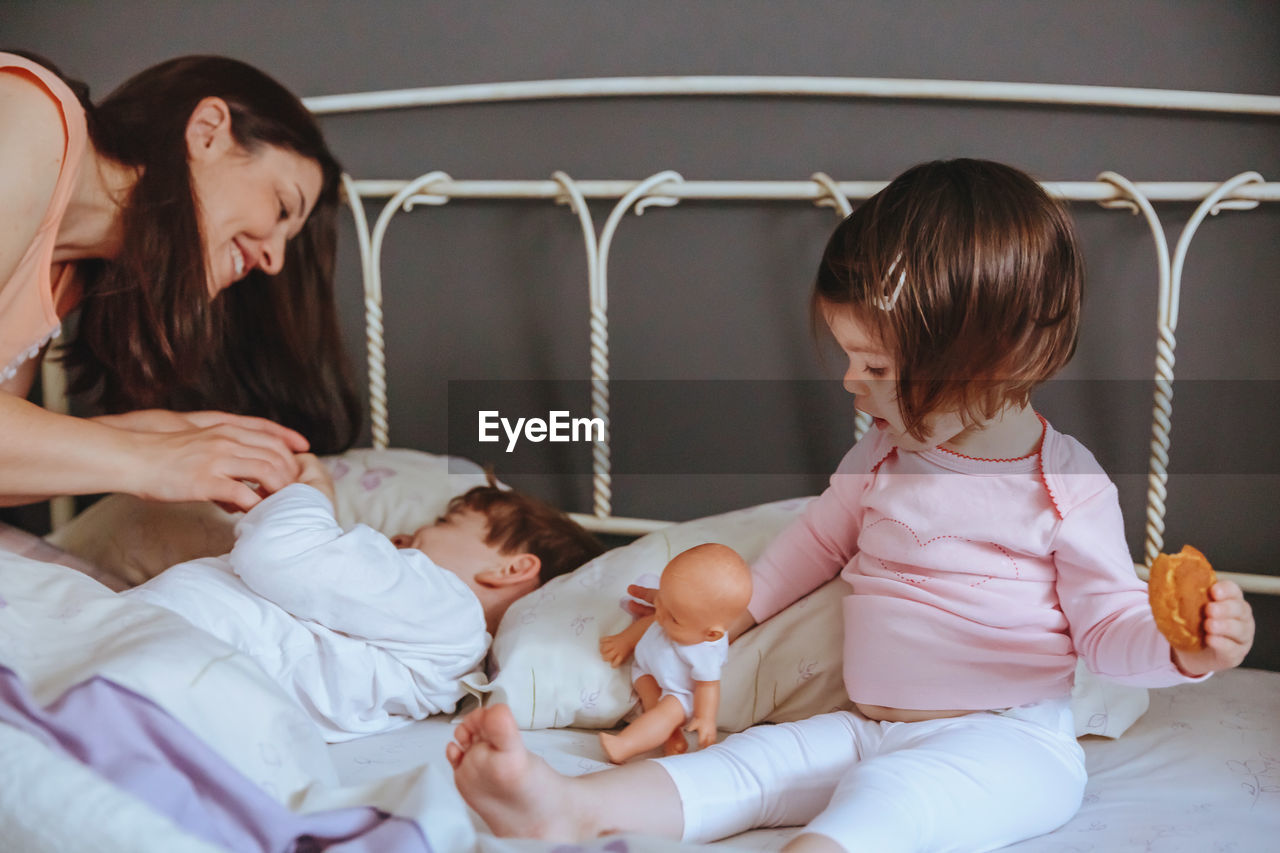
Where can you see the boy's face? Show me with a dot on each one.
(456, 542)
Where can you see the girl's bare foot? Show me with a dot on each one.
(515, 792)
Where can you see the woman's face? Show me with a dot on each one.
(249, 204)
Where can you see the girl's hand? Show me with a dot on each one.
(704, 729)
(1228, 630)
(215, 462)
(740, 626)
(644, 593)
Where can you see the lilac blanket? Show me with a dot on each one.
(138, 747)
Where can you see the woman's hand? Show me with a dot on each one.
(214, 457)
(1228, 632)
(163, 420)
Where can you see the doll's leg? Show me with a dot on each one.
(968, 784)
(663, 716)
(519, 795)
(650, 693)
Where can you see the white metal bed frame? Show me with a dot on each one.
(1113, 191)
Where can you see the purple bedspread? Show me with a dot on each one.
(138, 747)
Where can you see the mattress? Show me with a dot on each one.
(1199, 772)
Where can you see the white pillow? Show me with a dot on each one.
(394, 491)
(546, 663)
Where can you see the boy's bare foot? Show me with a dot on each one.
(515, 792)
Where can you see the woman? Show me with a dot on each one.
(140, 214)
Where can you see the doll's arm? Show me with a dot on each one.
(616, 648)
(706, 703)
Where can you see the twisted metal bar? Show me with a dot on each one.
(833, 197)
(1135, 201)
(355, 201)
(376, 345)
(602, 464)
(601, 458)
(1166, 328)
(1167, 324)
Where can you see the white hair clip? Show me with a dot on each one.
(886, 303)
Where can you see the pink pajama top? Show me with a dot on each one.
(976, 583)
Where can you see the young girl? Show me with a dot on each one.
(985, 551)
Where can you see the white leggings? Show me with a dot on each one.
(968, 783)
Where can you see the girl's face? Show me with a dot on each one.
(249, 204)
(873, 379)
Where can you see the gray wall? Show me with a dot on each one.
(717, 291)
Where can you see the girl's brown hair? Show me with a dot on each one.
(992, 282)
(148, 334)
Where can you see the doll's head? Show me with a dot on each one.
(702, 591)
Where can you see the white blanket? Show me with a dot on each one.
(59, 628)
(1200, 772)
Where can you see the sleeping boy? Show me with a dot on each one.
(366, 632)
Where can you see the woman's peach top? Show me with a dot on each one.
(36, 297)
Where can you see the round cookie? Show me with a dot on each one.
(1179, 590)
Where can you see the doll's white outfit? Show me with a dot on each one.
(676, 667)
(366, 637)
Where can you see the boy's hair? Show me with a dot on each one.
(992, 281)
(519, 523)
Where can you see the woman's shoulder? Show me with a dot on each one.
(32, 147)
(33, 103)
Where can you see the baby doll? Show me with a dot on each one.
(679, 651)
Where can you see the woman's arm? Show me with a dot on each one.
(44, 454)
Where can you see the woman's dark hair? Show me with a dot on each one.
(992, 283)
(148, 334)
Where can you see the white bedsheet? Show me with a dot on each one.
(1199, 773)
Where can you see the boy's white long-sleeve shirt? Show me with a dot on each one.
(364, 635)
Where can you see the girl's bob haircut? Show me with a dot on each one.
(969, 275)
